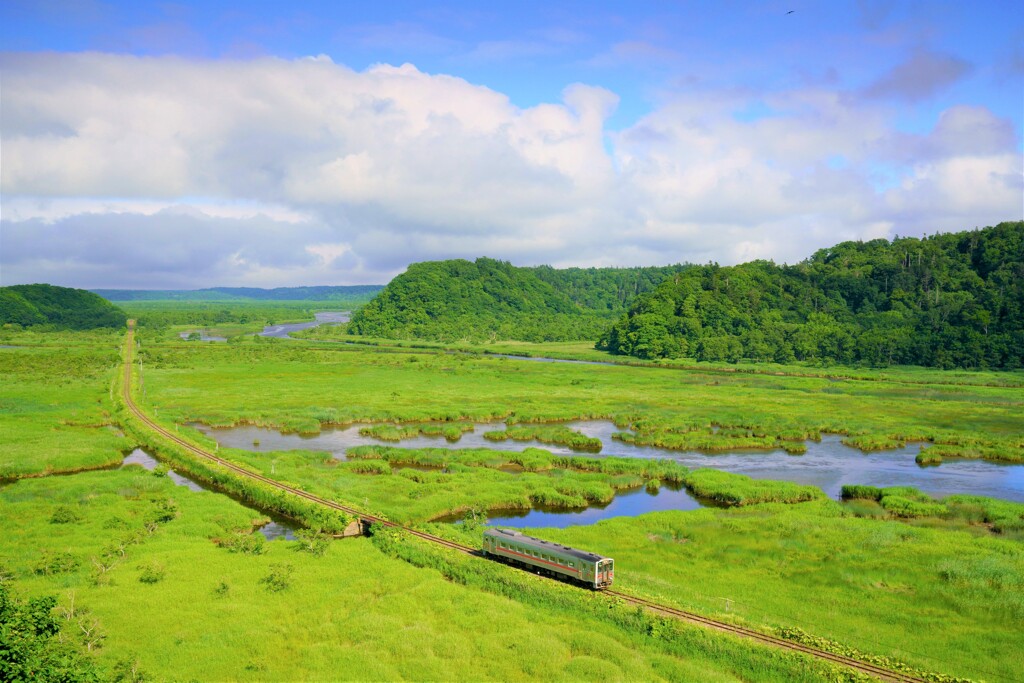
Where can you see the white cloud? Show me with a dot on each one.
(296, 172)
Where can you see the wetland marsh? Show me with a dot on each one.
(754, 561)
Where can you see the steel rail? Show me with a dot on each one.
(690, 617)
(683, 615)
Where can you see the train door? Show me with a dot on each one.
(605, 573)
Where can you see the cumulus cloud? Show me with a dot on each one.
(165, 172)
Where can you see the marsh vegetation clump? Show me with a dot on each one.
(552, 434)
(739, 490)
(451, 431)
(873, 442)
(1001, 516)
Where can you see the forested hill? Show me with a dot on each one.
(952, 300)
(355, 293)
(57, 307)
(482, 299)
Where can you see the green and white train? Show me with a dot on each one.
(580, 566)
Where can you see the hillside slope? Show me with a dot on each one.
(59, 307)
(489, 299)
(952, 300)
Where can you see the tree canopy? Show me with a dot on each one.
(483, 299)
(950, 300)
(58, 307)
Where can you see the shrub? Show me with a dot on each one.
(65, 515)
(116, 522)
(279, 578)
(151, 573)
(313, 542)
(56, 563)
(243, 542)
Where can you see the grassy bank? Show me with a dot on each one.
(340, 385)
(357, 612)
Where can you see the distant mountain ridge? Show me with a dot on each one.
(315, 293)
(491, 299)
(59, 307)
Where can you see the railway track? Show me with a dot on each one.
(689, 617)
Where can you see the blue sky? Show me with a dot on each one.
(571, 133)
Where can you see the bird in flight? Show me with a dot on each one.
(790, 11)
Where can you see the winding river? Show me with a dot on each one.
(827, 464)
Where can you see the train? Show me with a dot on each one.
(579, 566)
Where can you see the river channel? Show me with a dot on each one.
(323, 318)
(280, 331)
(827, 464)
(278, 527)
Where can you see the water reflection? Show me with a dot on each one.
(626, 504)
(827, 464)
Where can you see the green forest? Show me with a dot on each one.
(59, 308)
(488, 299)
(950, 300)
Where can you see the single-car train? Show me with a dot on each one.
(590, 569)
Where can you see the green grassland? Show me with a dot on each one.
(585, 351)
(302, 387)
(945, 600)
(157, 593)
(56, 403)
(936, 584)
(228, 318)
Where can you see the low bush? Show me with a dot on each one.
(279, 578)
(65, 515)
(57, 563)
(244, 542)
(151, 573)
